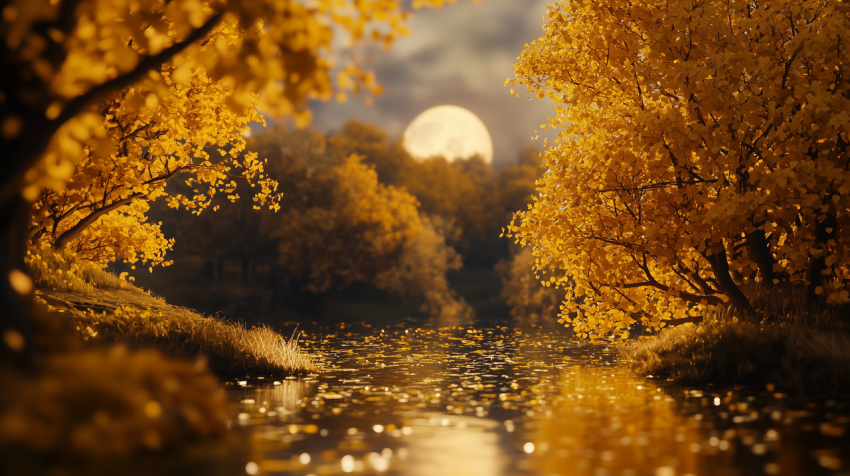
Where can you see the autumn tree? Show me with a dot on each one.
(530, 300)
(338, 225)
(700, 146)
(100, 214)
(61, 58)
(463, 194)
(517, 182)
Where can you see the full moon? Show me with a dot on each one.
(448, 131)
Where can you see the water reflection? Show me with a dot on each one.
(503, 402)
(606, 421)
(453, 446)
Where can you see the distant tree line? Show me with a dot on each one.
(355, 207)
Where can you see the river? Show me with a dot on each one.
(399, 400)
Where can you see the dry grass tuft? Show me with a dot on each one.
(791, 357)
(786, 304)
(787, 343)
(62, 271)
(231, 350)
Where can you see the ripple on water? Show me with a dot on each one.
(499, 401)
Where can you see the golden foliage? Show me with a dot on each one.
(343, 241)
(167, 80)
(531, 301)
(471, 199)
(65, 271)
(109, 402)
(275, 48)
(420, 275)
(700, 145)
(101, 212)
(339, 225)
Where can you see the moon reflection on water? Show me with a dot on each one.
(498, 401)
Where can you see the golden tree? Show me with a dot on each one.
(339, 225)
(463, 194)
(63, 57)
(700, 145)
(101, 212)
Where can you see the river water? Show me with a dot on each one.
(501, 401)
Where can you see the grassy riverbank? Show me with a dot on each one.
(231, 350)
(788, 346)
(108, 310)
(120, 382)
(101, 410)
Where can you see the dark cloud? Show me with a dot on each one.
(458, 55)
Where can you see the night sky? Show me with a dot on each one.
(460, 54)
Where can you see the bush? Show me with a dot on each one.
(787, 343)
(109, 410)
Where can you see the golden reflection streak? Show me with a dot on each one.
(458, 445)
(606, 421)
(465, 446)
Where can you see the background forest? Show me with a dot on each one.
(363, 229)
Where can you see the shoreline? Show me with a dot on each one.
(142, 321)
(782, 357)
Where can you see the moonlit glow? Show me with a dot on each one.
(448, 131)
(347, 463)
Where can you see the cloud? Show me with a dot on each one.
(458, 55)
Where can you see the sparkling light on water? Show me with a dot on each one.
(500, 401)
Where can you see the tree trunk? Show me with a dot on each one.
(246, 265)
(720, 266)
(208, 270)
(759, 250)
(15, 307)
(219, 268)
(824, 231)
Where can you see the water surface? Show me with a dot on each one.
(501, 401)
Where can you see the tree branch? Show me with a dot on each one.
(75, 230)
(788, 63)
(18, 163)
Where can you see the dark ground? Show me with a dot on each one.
(259, 300)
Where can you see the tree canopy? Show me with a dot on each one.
(77, 70)
(101, 212)
(64, 56)
(469, 198)
(700, 146)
